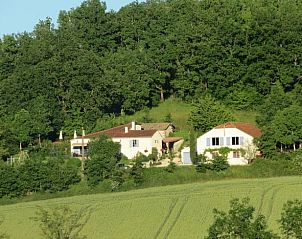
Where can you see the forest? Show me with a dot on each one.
(94, 63)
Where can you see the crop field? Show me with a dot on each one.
(181, 211)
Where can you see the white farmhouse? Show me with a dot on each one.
(134, 138)
(234, 135)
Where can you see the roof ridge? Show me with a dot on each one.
(104, 130)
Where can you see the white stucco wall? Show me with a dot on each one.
(77, 142)
(222, 134)
(144, 145)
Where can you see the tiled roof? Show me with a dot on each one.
(156, 126)
(119, 132)
(245, 127)
(171, 139)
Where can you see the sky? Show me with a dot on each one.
(17, 16)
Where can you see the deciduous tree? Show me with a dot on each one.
(291, 219)
(207, 113)
(239, 223)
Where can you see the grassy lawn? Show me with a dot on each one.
(177, 211)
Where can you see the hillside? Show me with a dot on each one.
(179, 112)
(181, 211)
(94, 63)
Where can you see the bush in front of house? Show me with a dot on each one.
(104, 156)
(171, 167)
(219, 163)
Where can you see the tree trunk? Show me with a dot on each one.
(162, 95)
(294, 146)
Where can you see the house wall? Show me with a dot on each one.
(223, 135)
(169, 130)
(77, 142)
(144, 145)
(157, 141)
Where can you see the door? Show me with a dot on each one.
(186, 159)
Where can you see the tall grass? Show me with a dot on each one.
(177, 211)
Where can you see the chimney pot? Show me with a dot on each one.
(133, 125)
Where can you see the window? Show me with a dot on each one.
(156, 141)
(215, 141)
(134, 143)
(235, 140)
(236, 154)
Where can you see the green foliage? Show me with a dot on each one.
(118, 177)
(168, 118)
(287, 126)
(284, 132)
(136, 173)
(238, 223)
(243, 97)
(5, 145)
(193, 145)
(219, 163)
(207, 113)
(37, 175)
(154, 155)
(48, 175)
(11, 185)
(98, 63)
(291, 219)
(146, 118)
(103, 157)
(62, 222)
(171, 167)
(201, 167)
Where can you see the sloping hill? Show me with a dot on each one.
(181, 211)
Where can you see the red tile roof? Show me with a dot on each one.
(171, 139)
(156, 126)
(119, 132)
(245, 127)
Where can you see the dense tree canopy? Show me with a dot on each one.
(98, 62)
(207, 113)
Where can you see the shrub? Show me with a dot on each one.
(10, 185)
(291, 219)
(49, 175)
(62, 222)
(219, 163)
(201, 168)
(171, 167)
(136, 173)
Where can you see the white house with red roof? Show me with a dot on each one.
(134, 138)
(236, 136)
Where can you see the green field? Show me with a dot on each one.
(181, 211)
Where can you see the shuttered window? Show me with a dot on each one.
(228, 140)
(134, 143)
(221, 141)
(208, 143)
(241, 140)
